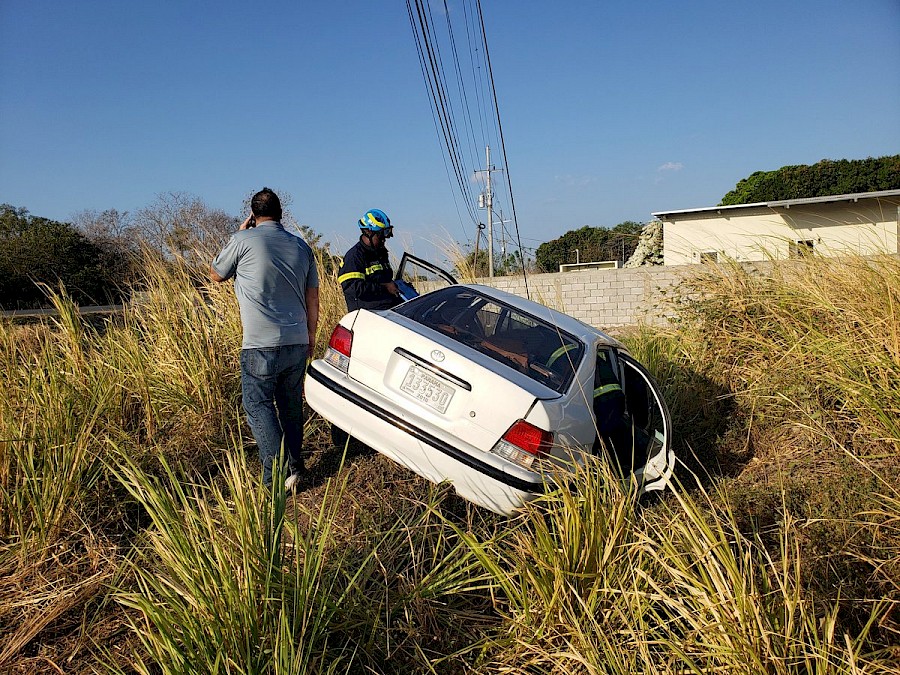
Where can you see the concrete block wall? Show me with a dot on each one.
(616, 298)
(609, 298)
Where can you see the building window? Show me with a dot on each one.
(802, 248)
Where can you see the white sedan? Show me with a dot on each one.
(485, 389)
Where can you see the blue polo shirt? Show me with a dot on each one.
(272, 269)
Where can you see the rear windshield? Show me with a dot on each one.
(517, 340)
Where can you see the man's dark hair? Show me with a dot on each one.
(266, 203)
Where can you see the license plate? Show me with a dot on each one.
(426, 388)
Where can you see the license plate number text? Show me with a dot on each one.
(426, 388)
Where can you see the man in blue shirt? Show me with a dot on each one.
(277, 287)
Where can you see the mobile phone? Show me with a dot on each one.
(252, 222)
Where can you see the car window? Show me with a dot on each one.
(510, 337)
(422, 275)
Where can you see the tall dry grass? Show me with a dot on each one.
(814, 342)
(135, 536)
(232, 577)
(804, 362)
(75, 395)
(590, 583)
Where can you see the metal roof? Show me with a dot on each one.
(784, 203)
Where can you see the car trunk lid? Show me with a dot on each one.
(438, 382)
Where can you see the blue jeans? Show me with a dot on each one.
(272, 387)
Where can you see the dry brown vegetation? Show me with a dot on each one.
(134, 536)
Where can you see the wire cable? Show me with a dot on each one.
(457, 133)
(512, 200)
(432, 72)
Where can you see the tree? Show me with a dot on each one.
(589, 244)
(467, 267)
(36, 250)
(825, 178)
(511, 263)
(111, 225)
(507, 264)
(649, 250)
(182, 225)
(115, 234)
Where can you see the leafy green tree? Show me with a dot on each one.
(511, 263)
(589, 244)
(36, 250)
(825, 178)
(504, 265)
(469, 267)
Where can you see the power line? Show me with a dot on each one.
(435, 81)
(512, 201)
(457, 132)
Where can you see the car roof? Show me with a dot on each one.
(564, 322)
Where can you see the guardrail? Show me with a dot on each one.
(43, 313)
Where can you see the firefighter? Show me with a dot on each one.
(365, 275)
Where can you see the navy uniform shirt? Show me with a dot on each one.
(361, 276)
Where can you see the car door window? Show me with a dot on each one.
(422, 275)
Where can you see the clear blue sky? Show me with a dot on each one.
(610, 110)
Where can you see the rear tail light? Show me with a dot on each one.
(339, 346)
(523, 443)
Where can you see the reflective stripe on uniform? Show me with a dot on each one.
(351, 275)
(377, 267)
(605, 389)
(559, 352)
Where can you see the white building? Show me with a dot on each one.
(864, 223)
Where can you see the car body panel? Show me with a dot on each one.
(440, 402)
(480, 477)
(477, 415)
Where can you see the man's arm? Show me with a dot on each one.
(227, 259)
(312, 316)
(215, 276)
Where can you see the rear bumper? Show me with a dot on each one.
(348, 405)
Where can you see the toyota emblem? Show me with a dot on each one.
(437, 355)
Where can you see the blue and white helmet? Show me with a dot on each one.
(376, 220)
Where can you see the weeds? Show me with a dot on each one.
(134, 532)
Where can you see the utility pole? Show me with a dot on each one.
(486, 200)
(489, 201)
(502, 233)
(477, 241)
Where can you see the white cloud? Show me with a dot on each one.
(671, 166)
